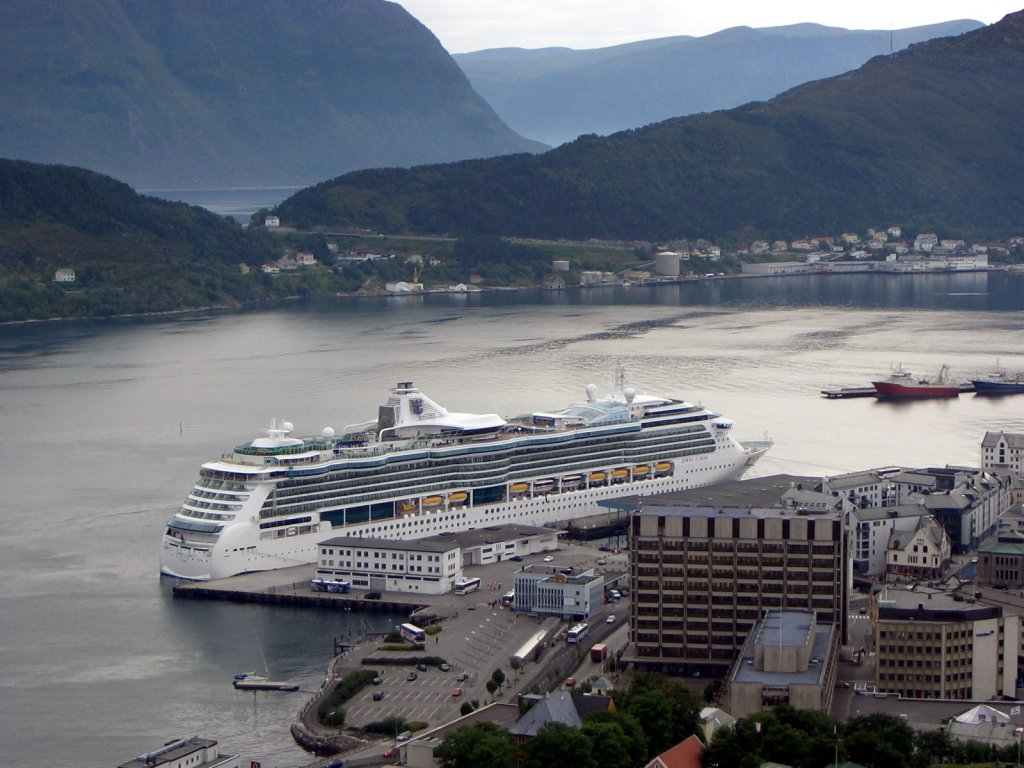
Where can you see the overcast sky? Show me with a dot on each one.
(472, 25)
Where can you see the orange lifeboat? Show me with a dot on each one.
(458, 498)
(597, 477)
(640, 471)
(432, 501)
(406, 506)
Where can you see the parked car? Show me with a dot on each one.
(445, 667)
(372, 596)
(457, 692)
(462, 677)
(548, 558)
(411, 676)
(405, 735)
(516, 558)
(378, 680)
(378, 695)
(422, 667)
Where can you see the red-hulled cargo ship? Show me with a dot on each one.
(902, 384)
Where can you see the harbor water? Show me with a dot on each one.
(104, 426)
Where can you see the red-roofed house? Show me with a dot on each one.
(685, 754)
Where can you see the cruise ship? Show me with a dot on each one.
(419, 470)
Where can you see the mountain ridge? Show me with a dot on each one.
(185, 94)
(929, 137)
(556, 94)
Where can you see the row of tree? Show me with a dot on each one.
(655, 713)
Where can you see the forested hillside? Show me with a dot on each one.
(930, 138)
(129, 253)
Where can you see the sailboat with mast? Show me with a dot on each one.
(251, 681)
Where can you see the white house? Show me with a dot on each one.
(1003, 449)
(919, 554)
(64, 275)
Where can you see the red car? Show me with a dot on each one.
(389, 753)
(457, 692)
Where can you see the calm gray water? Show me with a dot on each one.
(104, 426)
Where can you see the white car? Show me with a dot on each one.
(548, 558)
(610, 619)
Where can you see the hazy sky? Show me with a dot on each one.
(472, 25)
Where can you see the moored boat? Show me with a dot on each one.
(902, 384)
(999, 383)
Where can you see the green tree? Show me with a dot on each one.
(515, 666)
(559, 746)
(492, 686)
(610, 742)
(637, 739)
(477, 745)
(498, 676)
(654, 713)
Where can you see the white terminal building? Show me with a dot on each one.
(560, 591)
(431, 565)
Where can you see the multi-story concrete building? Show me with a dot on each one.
(552, 590)
(788, 659)
(932, 644)
(706, 564)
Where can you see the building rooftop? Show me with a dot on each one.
(442, 542)
(781, 628)
(755, 492)
(747, 672)
(923, 603)
(172, 751)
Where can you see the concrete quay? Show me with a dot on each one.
(477, 636)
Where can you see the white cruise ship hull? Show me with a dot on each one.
(269, 504)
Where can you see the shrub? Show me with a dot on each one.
(349, 686)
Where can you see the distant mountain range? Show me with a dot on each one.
(191, 94)
(930, 138)
(556, 94)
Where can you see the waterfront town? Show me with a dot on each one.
(894, 590)
(882, 251)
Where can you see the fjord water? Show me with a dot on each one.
(104, 426)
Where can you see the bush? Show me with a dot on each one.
(349, 686)
(407, 661)
(389, 726)
(433, 629)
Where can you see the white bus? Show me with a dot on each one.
(466, 586)
(412, 633)
(577, 633)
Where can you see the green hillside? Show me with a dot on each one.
(930, 138)
(130, 254)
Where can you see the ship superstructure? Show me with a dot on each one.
(420, 470)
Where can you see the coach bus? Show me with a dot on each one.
(412, 633)
(466, 586)
(577, 634)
